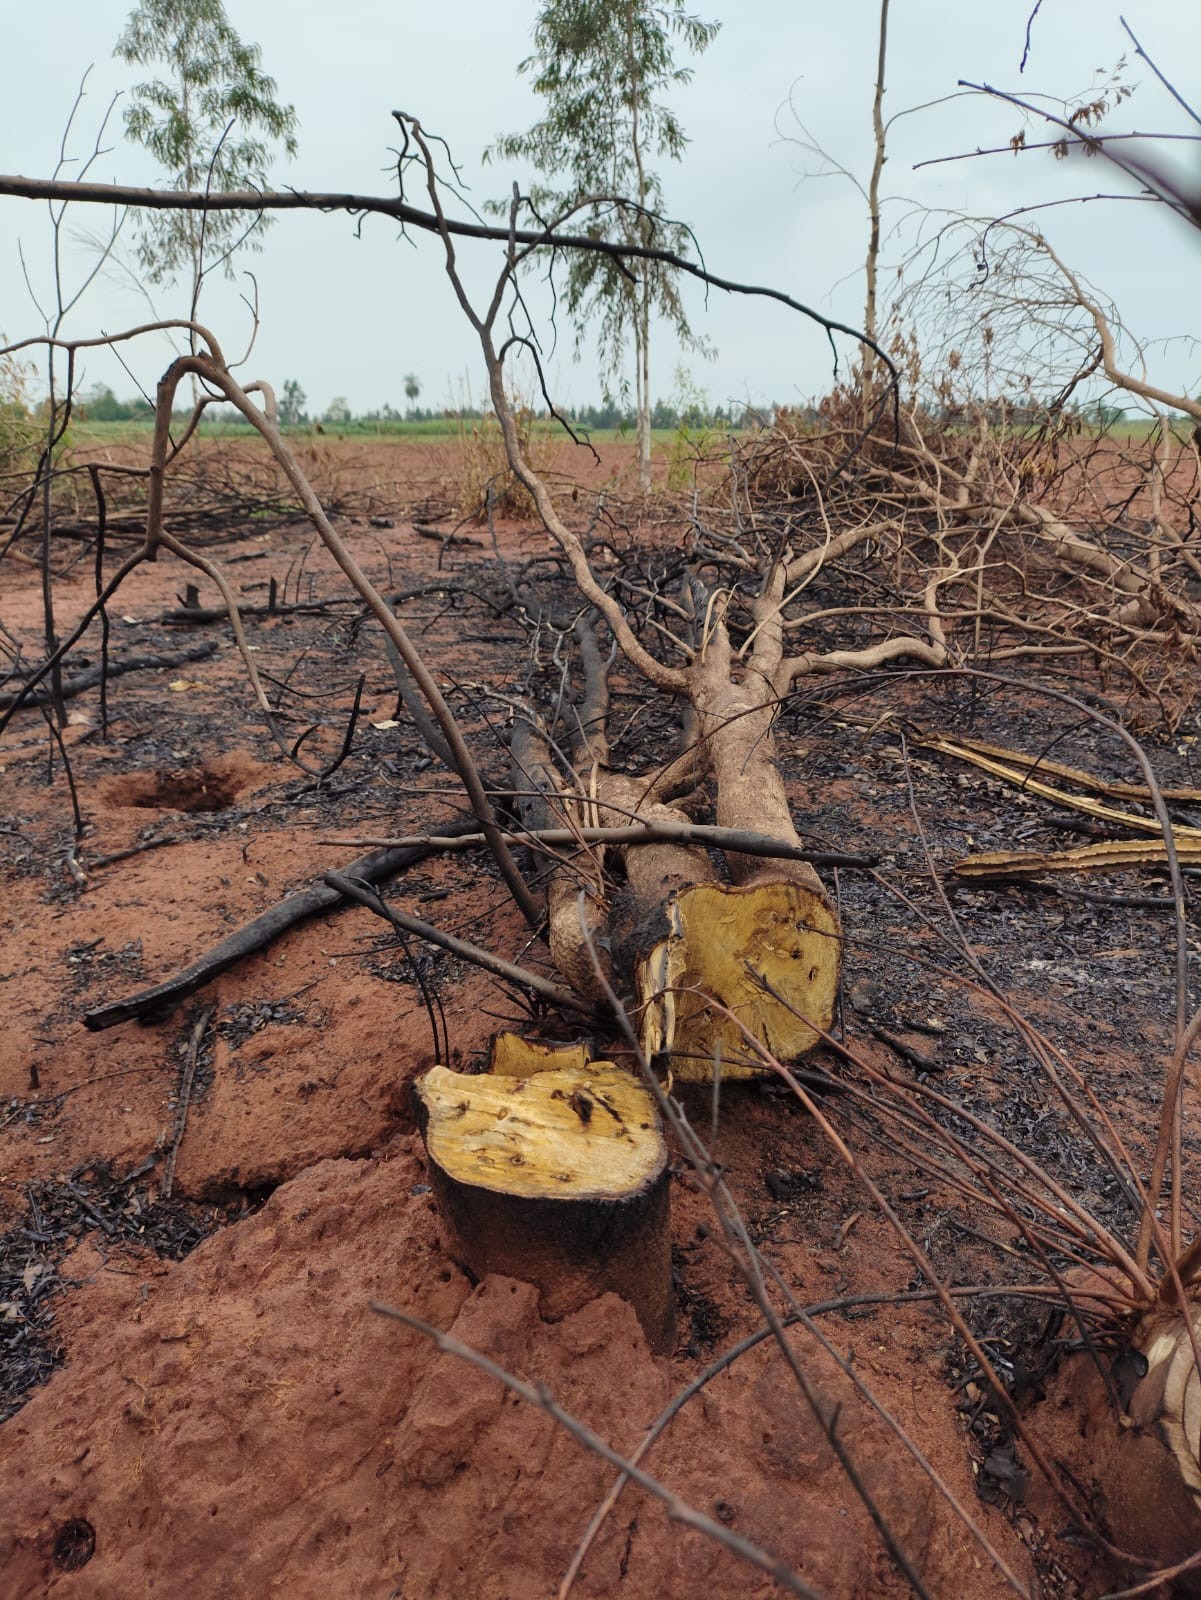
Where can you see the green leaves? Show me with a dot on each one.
(292, 404)
(602, 67)
(211, 122)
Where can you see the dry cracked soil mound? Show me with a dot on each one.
(243, 1424)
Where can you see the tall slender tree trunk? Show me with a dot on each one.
(642, 316)
(49, 634)
(642, 355)
(195, 227)
(873, 206)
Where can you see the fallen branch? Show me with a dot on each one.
(184, 1097)
(747, 844)
(1026, 781)
(116, 669)
(497, 965)
(1125, 902)
(139, 849)
(971, 749)
(1112, 855)
(189, 613)
(445, 539)
(256, 935)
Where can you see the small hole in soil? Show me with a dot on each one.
(196, 791)
(74, 1544)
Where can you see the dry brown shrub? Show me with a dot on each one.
(486, 481)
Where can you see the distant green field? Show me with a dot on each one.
(130, 432)
(449, 430)
(439, 430)
(1144, 427)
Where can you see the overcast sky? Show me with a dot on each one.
(349, 316)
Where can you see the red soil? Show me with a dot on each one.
(239, 1422)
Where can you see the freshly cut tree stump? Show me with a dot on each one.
(514, 1057)
(766, 952)
(556, 1175)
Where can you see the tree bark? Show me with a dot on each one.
(873, 205)
(768, 947)
(724, 975)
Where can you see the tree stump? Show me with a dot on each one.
(557, 1175)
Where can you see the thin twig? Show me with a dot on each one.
(542, 1399)
(363, 895)
(748, 844)
(184, 1100)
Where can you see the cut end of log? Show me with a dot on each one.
(557, 1175)
(768, 952)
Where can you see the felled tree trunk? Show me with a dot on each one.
(756, 961)
(587, 927)
(722, 972)
(575, 890)
(554, 1172)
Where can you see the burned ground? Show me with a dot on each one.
(199, 1397)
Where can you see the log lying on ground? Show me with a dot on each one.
(709, 962)
(114, 669)
(1111, 855)
(768, 948)
(733, 701)
(710, 959)
(707, 959)
(555, 1174)
(575, 890)
(758, 959)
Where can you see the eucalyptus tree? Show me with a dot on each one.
(603, 67)
(292, 403)
(212, 121)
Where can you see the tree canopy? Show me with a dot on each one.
(212, 120)
(603, 67)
